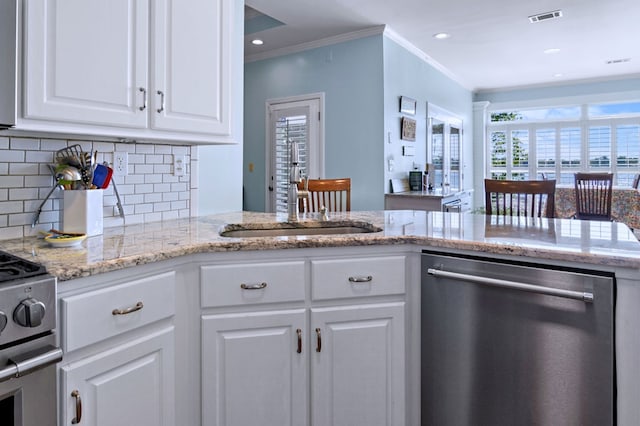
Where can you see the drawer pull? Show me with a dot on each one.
(319, 342)
(253, 286)
(76, 420)
(299, 333)
(361, 279)
(128, 310)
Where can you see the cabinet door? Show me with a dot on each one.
(357, 365)
(85, 61)
(192, 66)
(252, 372)
(131, 384)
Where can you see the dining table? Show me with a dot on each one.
(625, 204)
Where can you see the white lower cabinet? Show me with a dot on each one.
(254, 369)
(118, 337)
(341, 346)
(131, 384)
(358, 365)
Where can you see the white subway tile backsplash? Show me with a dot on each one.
(39, 157)
(145, 149)
(11, 156)
(180, 150)
(12, 182)
(141, 169)
(23, 169)
(52, 144)
(23, 194)
(163, 149)
(144, 188)
(149, 192)
(7, 207)
(152, 178)
(154, 159)
(153, 197)
(24, 144)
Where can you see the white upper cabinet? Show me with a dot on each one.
(191, 69)
(84, 61)
(159, 70)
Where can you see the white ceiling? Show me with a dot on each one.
(492, 45)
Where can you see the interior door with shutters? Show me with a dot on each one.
(293, 120)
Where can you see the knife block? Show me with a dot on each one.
(82, 211)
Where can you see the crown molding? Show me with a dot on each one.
(392, 35)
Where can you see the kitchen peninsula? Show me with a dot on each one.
(176, 288)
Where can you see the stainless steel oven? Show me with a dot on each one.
(28, 351)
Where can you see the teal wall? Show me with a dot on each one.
(350, 75)
(362, 81)
(405, 74)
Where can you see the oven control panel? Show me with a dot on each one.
(27, 307)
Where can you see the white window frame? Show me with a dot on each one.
(584, 123)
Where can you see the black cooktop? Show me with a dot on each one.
(13, 267)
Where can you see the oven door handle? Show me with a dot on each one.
(29, 362)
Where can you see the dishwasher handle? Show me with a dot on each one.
(514, 285)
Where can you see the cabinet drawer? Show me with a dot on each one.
(332, 279)
(245, 284)
(90, 317)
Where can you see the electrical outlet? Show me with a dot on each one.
(121, 163)
(179, 165)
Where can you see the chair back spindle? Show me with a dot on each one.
(334, 194)
(533, 198)
(594, 192)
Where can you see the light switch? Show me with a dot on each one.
(179, 166)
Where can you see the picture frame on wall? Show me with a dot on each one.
(408, 126)
(407, 105)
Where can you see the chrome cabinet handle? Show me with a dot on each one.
(253, 286)
(128, 310)
(76, 420)
(299, 333)
(361, 279)
(319, 340)
(161, 93)
(144, 99)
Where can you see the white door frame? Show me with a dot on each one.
(316, 151)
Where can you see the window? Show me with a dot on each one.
(558, 142)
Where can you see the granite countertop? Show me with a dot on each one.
(597, 243)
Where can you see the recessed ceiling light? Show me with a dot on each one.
(558, 74)
(551, 51)
(441, 36)
(257, 42)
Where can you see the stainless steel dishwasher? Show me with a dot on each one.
(515, 343)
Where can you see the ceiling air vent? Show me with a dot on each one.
(545, 16)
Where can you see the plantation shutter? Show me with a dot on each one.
(292, 128)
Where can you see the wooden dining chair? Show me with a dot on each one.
(533, 198)
(334, 194)
(594, 192)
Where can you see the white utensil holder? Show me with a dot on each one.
(82, 211)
